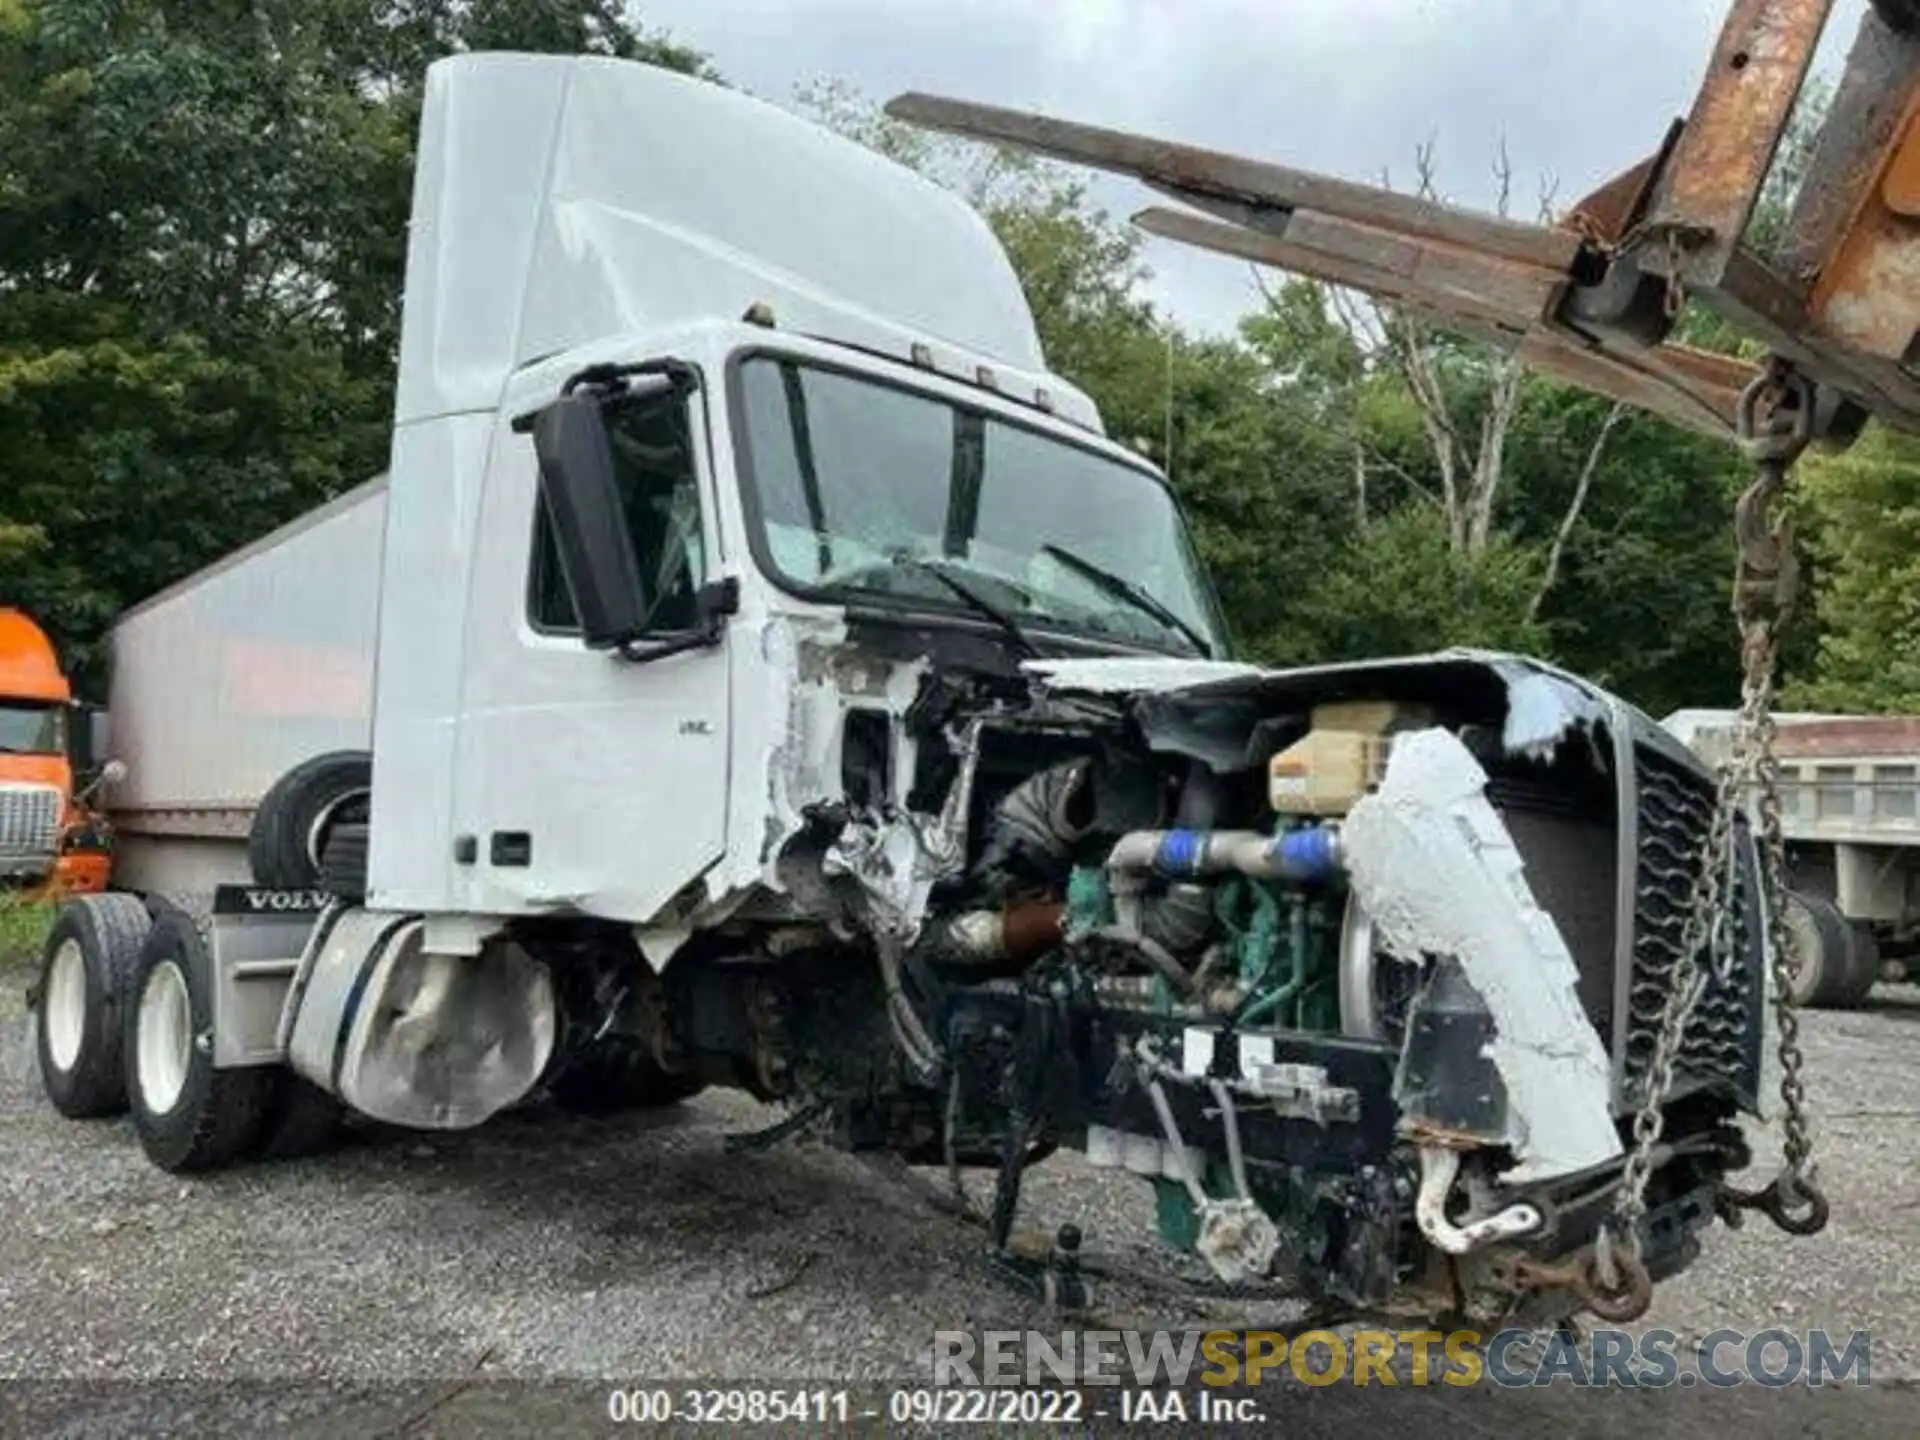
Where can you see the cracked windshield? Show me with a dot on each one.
(863, 487)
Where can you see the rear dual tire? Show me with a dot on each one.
(86, 969)
(124, 1021)
(189, 1115)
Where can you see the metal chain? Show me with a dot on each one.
(1769, 580)
(1797, 1143)
(1675, 299)
(1765, 588)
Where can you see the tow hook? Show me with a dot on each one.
(1626, 1299)
(1439, 1166)
(1795, 1206)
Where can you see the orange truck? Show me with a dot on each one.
(52, 842)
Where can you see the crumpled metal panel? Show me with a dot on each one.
(1438, 871)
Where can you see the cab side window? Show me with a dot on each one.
(652, 438)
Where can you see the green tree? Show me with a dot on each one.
(1567, 525)
(1403, 586)
(1640, 600)
(202, 228)
(1865, 539)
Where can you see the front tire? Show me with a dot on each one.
(615, 1075)
(189, 1116)
(86, 967)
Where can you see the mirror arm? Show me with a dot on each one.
(111, 773)
(715, 603)
(610, 381)
(679, 375)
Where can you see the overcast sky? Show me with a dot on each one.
(1579, 89)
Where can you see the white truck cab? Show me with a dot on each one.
(816, 364)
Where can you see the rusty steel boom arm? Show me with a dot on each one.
(1594, 299)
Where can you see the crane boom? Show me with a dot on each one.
(1594, 299)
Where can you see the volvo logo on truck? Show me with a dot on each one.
(258, 900)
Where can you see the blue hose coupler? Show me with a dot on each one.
(1180, 852)
(1310, 853)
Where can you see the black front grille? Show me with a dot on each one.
(1674, 807)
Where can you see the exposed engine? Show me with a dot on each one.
(1352, 965)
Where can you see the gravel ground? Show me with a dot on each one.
(547, 1247)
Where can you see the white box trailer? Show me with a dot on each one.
(224, 682)
(779, 680)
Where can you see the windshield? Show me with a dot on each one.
(865, 487)
(27, 728)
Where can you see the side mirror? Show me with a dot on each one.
(582, 496)
(99, 737)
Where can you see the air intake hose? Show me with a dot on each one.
(1303, 855)
(1035, 828)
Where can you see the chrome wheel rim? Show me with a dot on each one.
(63, 1010)
(163, 1037)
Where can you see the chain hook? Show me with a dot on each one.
(1675, 298)
(1778, 432)
(1622, 1298)
(1774, 426)
(1618, 1289)
(1795, 1204)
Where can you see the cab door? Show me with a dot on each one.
(592, 780)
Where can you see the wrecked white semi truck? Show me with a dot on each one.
(757, 670)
